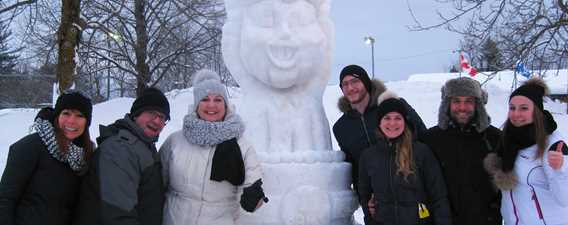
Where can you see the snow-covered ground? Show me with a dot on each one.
(421, 91)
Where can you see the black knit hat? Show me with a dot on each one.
(151, 99)
(534, 89)
(357, 72)
(391, 105)
(77, 101)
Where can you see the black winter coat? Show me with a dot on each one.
(397, 199)
(124, 184)
(355, 132)
(473, 199)
(36, 188)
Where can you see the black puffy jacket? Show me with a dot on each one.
(396, 199)
(473, 199)
(36, 189)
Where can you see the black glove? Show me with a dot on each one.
(46, 113)
(251, 195)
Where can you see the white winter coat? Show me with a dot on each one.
(541, 194)
(191, 197)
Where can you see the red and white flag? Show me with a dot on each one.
(472, 71)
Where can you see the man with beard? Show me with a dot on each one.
(355, 129)
(461, 140)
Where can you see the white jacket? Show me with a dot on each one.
(191, 197)
(541, 194)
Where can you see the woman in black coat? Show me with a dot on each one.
(399, 175)
(42, 175)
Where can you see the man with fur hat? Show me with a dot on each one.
(461, 140)
(355, 129)
(124, 184)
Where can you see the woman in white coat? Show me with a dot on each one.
(531, 171)
(209, 169)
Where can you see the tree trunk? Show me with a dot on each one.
(142, 67)
(68, 37)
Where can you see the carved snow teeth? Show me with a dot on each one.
(282, 56)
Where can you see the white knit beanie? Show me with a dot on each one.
(207, 82)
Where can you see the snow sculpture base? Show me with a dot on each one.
(305, 188)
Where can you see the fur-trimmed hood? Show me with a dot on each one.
(464, 86)
(503, 180)
(378, 88)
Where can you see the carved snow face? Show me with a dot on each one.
(282, 43)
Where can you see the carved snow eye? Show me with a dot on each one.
(262, 14)
(301, 14)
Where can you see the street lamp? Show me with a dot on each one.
(371, 41)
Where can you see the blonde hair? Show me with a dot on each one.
(404, 160)
(404, 157)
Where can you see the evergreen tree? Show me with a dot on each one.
(7, 56)
(454, 69)
(491, 56)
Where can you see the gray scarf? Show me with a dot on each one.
(75, 156)
(201, 132)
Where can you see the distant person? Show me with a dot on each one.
(42, 176)
(531, 169)
(124, 183)
(354, 130)
(461, 140)
(208, 167)
(401, 173)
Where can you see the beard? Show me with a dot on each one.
(359, 98)
(462, 117)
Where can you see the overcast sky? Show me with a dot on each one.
(398, 51)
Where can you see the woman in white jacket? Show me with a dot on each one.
(209, 169)
(531, 169)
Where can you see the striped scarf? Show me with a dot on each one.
(75, 156)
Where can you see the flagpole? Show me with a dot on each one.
(514, 83)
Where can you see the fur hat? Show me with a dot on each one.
(77, 101)
(463, 86)
(357, 72)
(207, 82)
(534, 89)
(388, 102)
(151, 99)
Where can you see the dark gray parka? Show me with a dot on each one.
(124, 184)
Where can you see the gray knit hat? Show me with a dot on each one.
(207, 82)
(464, 86)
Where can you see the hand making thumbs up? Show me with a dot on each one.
(556, 156)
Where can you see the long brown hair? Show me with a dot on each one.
(404, 159)
(84, 139)
(540, 132)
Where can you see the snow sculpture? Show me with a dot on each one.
(280, 53)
